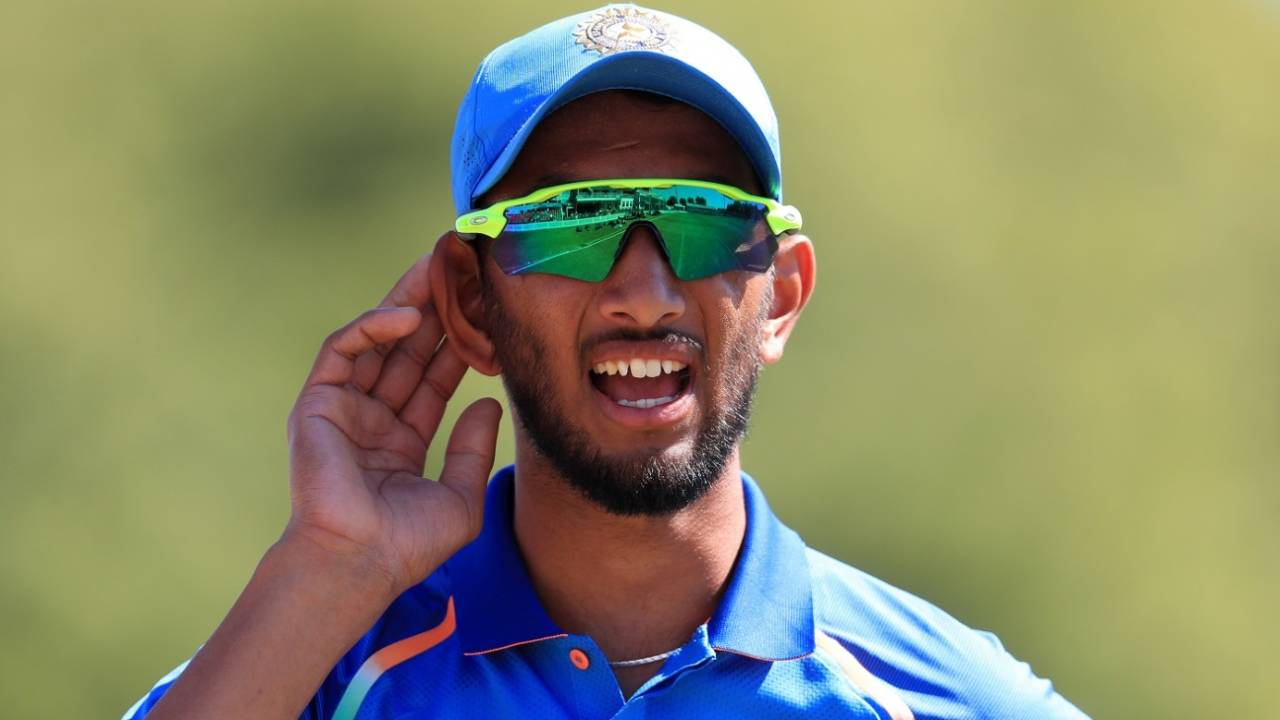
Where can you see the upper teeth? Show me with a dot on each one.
(638, 367)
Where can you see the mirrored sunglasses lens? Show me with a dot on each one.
(560, 236)
(577, 233)
(706, 232)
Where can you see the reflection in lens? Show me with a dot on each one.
(578, 232)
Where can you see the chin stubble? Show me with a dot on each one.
(644, 483)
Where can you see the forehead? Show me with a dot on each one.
(620, 133)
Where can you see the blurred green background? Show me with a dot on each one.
(1037, 384)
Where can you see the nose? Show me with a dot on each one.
(641, 290)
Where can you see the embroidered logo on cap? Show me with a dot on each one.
(619, 29)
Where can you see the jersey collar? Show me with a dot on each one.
(767, 609)
(766, 612)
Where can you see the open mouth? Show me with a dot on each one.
(641, 382)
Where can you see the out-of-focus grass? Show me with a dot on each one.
(1037, 384)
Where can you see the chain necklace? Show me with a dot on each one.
(644, 660)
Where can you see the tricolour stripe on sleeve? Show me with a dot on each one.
(161, 686)
(862, 679)
(387, 658)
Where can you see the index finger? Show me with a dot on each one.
(413, 289)
(336, 362)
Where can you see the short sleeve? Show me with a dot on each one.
(148, 701)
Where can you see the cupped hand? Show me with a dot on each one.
(360, 431)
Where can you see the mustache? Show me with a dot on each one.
(674, 337)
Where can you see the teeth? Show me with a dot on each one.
(646, 403)
(638, 368)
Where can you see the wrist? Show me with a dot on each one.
(340, 564)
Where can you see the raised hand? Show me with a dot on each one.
(360, 431)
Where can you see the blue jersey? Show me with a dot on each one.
(796, 634)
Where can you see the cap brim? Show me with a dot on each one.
(656, 73)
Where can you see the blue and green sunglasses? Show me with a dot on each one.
(576, 230)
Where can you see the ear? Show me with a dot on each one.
(794, 274)
(459, 298)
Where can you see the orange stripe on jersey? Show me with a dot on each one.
(397, 652)
(387, 658)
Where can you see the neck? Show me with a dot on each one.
(638, 586)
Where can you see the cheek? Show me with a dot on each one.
(736, 294)
(734, 335)
(733, 304)
(551, 306)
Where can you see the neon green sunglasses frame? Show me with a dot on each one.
(492, 221)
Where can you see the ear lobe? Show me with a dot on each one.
(459, 299)
(794, 275)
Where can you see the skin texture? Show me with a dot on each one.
(647, 477)
(638, 585)
(365, 525)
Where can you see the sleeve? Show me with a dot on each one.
(157, 691)
(966, 675)
(1011, 689)
(943, 669)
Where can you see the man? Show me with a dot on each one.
(623, 260)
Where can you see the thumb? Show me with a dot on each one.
(468, 459)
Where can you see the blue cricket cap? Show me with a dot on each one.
(615, 47)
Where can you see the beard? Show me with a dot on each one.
(649, 483)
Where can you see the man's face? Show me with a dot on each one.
(550, 333)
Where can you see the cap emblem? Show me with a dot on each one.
(618, 29)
